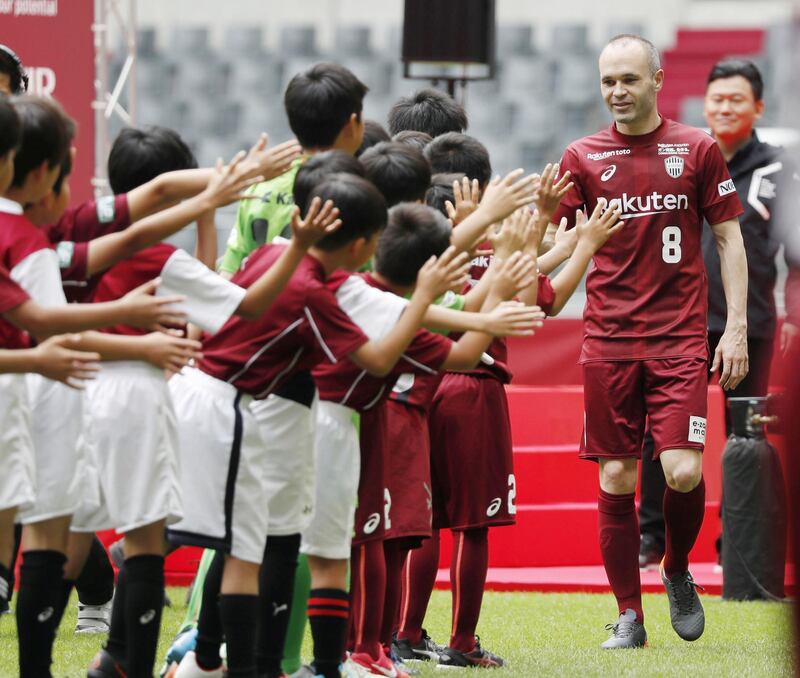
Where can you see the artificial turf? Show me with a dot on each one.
(538, 635)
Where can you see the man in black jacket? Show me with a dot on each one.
(761, 173)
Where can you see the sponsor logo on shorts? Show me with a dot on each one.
(105, 209)
(44, 615)
(608, 154)
(147, 617)
(673, 149)
(697, 430)
(494, 507)
(372, 523)
(674, 166)
(726, 187)
(608, 173)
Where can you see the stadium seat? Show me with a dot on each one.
(299, 40)
(189, 41)
(352, 41)
(692, 112)
(514, 40)
(146, 46)
(259, 76)
(570, 38)
(244, 40)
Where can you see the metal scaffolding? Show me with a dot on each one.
(111, 16)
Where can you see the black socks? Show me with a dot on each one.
(95, 584)
(328, 614)
(144, 603)
(239, 614)
(209, 623)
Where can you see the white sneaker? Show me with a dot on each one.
(94, 618)
(189, 669)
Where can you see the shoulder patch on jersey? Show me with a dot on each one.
(65, 251)
(726, 187)
(106, 209)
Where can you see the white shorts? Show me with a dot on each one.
(221, 461)
(338, 461)
(16, 444)
(287, 428)
(64, 477)
(134, 447)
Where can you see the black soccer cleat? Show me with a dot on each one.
(685, 609)
(626, 634)
(477, 657)
(424, 650)
(105, 666)
(651, 551)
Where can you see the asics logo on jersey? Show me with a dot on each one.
(147, 617)
(44, 615)
(494, 507)
(608, 173)
(372, 523)
(655, 203)
(608, 154)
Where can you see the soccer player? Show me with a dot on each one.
(13, 78)
(430, 111)
(762, 175)
(413, 138)
(250, 360)
(400, 172)
(374, 133)
(644, 353)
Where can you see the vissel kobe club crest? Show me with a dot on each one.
(674, 166)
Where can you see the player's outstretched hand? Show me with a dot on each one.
(467, 196)
(601, 225)
(552, 189)
(320, 220)
(57, 359)
(503, 196)
(731, 355)
(229, 182)
(789, 335)
(170, 351)
(514, 319)
(272, 162)
(147, 312)
(438, 275)
(515, 234)
(516, 273)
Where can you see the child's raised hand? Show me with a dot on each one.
(513, 319)
(57, 359)
(513, 235)
(514, 274)
(320, 220)
(503, 196)
(550, 192)
(602, 224)
(272, 162)
(146, 311)
(229, 182)
(438, 275)
(467, 196)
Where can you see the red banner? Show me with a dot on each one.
(55, 42)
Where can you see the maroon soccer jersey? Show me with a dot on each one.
(646, 294)
(71, 234)
(347, 384)
(303, 327)
(11, 296)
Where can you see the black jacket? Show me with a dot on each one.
(762, 174)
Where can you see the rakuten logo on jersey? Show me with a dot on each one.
(608, 154)
(655, 203)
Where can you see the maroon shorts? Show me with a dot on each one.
(619, 396)
(373, 507)
(407, 469)
(472, 468)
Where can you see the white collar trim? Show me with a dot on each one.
(9, 206)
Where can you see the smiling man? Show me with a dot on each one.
(644, 354)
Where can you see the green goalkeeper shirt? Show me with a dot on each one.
(260, 220)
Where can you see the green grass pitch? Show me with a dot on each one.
(539, 635)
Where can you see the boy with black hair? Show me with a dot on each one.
(454, 152)
(250, 360)
(320, 166)
(13, 78)
(400, 172)
(374, 133)
(418, 140)
(428, 110)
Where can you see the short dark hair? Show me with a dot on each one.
(441, 190)
(374, 133)
(362, 208)
(140, 155)
(413, 138)
(46, 134)
(64, 172)
(454, 152)
(413, 235)
(319, 167)
(10, 132)
(11, 65)
(320, 101)
(653, 57)
(428, 110)
(729, 68)
(400, 172)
